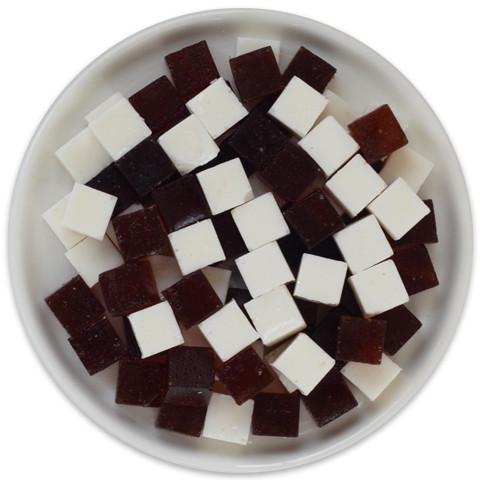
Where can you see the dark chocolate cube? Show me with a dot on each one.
(98, 347)
(256, 75)
(146, 167)
(192, 69)
(185, 419)
(229, 236)
(330, 399)
(240, 296)
(310, 68)
(314, 219)
(291, 173)
(181, 203)
(360, 340)
(378, 133)
(192, 299)
(129, 288)
(142, 382)
(75, 306)
(159, 105)
(258, 140)
(190, 376)
(244, 375)
(111, 181)
(415, 268)
(140, 234)
(276, 414)
(401, 326)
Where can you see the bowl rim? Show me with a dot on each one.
(184, 460)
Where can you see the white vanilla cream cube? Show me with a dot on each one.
(398, 209)
(103, 107)
(228, 331)
(196, 246)
(88, 211)
(264, 269)
(320, 279)
(330, 145)
(91, 257)
(217, 107)
(250, 44)
(303, 363)
(355, 185)
(363, 244)
(83, 156)
(119, 128)
(188, 144)
(370, 379)
(260, 221)
(298, 106)
(54, 219)
(379, 288)
(275, 315)
(155, 329)
(219, 279)
(338, 108)
(226, 421)
(225, 186)
(165, 270)
(409, 165)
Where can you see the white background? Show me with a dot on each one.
(44, 44)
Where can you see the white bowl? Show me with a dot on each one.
(38, 266)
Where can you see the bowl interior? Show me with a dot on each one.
(38, 265)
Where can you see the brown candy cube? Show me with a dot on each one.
(229, 236)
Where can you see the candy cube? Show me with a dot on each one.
(260, 221)
(409, 165)
(140, 234)
(338, 108)
(165, 270)
(398, 209)
(75, 306)
(182, 418)
(228, 331)
(217, 107)
(257, 140)
(378, 133)
(256, 75)
(415, 268)
(103, 107)
(225, 186)
(196, 246)
(355, 185)
(83, 156)
(229, 236)
(329, 145)
(298, 106)
(159, 105)
(192, 69)
(227, 421)
(379, 288)
(119, 128)
(291, 173)
(244, 375)
(188, 144)
(264, 269)
(310, 68)
(219, 279)
(181, 203)
(129, 288)
(320, 279)
(90, 258)
(249, 44)
(314, 219)
(54, 219)
(303, 363)
(146, 167)
(275, 315)
(155, 329)
(371, 380)
(330, 399)
(363, 244)
(325, 332)
(192, 299)
(88, 211)
(98, 346)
